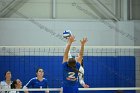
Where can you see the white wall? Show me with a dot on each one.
(125, 33)
(137, 43)
(137, 32)
(33, 32)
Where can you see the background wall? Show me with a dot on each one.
(41, 23)
(49, 32)
(100, 71)
(137, 43)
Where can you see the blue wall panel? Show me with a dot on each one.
(100, 71)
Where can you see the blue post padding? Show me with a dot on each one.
(100, 71)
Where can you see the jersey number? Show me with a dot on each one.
(71, 75)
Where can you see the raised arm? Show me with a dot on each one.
(80, 55)
(66, 52)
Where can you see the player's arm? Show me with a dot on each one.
(28, 85)
(66, 52)
(81, 78)
(83, 42)
(0, 86)
(47, 91)
(26, 90)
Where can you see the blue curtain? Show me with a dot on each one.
(100, 71)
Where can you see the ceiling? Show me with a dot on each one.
(71, 9)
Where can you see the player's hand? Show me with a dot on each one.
(83, 41)
(86, 86)
(71, 39)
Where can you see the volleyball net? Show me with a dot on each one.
(107, 68)
(91, 90)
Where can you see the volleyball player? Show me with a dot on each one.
(81, 76)
(81, 71)
(16, 84)
(6, 84)
(71, 67)
(38, 82)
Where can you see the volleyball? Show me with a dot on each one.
(67, 33)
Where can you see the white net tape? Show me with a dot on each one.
(81, 89)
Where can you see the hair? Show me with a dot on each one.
(6, 72)
(38, 69)
(72, 62)
(82, 64)
(72, 65)
(13, 84)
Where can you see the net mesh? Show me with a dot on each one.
(105, 66)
